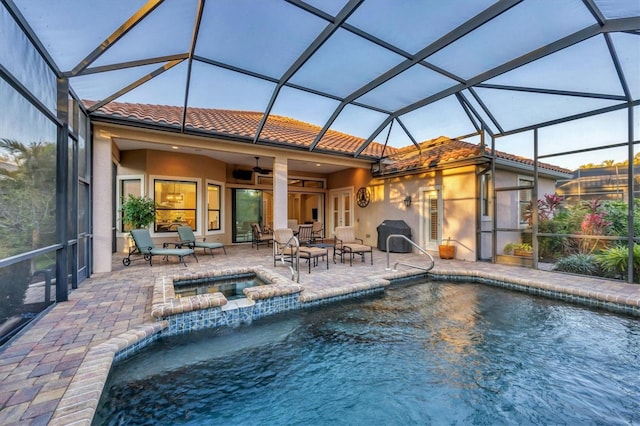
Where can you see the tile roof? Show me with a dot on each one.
(288, 131)
(441, 151)
(242, 124)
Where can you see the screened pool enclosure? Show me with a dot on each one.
(553, 81)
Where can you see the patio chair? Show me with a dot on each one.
(285, 248)
(146, 248)
(305, 234)
(260, 237)
(283, 245)
(187, 238)
(347, 243)
(293, 225)
(317, 232)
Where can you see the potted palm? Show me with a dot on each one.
(446, 250)
(137, 212)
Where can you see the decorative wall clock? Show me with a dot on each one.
(363, 197)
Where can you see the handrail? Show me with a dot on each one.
(292, 243)
(395, 266)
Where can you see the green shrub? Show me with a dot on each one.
(584, 264)
(509, 248)
(614, 262)
(14, 281)
(552, 248)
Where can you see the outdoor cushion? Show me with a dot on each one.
(346, 242)
(146, 247)
(187, 237)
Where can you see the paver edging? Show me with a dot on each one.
(80, 400)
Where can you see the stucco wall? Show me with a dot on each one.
(460, 211)
(459, 207)
(165, 163)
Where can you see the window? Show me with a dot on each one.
(294, 181)
(128, 186)
(524, 199)
(214, 201)
(176, 204)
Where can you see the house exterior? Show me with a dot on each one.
(603, 183)
(443, 189)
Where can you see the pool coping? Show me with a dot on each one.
(81, 398)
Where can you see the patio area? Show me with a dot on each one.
(45, 378)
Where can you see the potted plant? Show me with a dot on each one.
(446, 250)
(519, 249)
(137, 212)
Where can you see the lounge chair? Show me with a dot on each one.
(146, 248)
(347, 243)
(260, 237)
(188, 239)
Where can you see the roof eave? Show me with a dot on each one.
(469, 161)
(522, 167)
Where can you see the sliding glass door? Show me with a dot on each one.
(246, 209)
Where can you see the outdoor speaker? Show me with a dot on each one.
(243, 174)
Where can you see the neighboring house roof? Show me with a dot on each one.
(10, 167)
(442, 152)
(600, 183)
(241, 124)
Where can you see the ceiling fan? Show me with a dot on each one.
(259, 169)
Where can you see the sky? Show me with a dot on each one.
(266, 37)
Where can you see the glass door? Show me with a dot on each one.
(431, 219)
(246, 209)
(341, 208)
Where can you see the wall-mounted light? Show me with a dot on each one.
(407, 200)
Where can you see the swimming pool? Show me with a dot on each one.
(416, 354)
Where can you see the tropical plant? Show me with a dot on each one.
(547, 208)
(614, 261)
(138, 212)
(551, 248)
(593, 223)
(584, 264)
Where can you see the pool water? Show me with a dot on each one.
(230, 287)
(433, 353)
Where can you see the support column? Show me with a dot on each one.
(280, 192)
(102, 191)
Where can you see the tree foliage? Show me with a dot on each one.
(27, 197)
(611, 163)
(27, 214)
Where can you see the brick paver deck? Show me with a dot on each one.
(36, 370)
